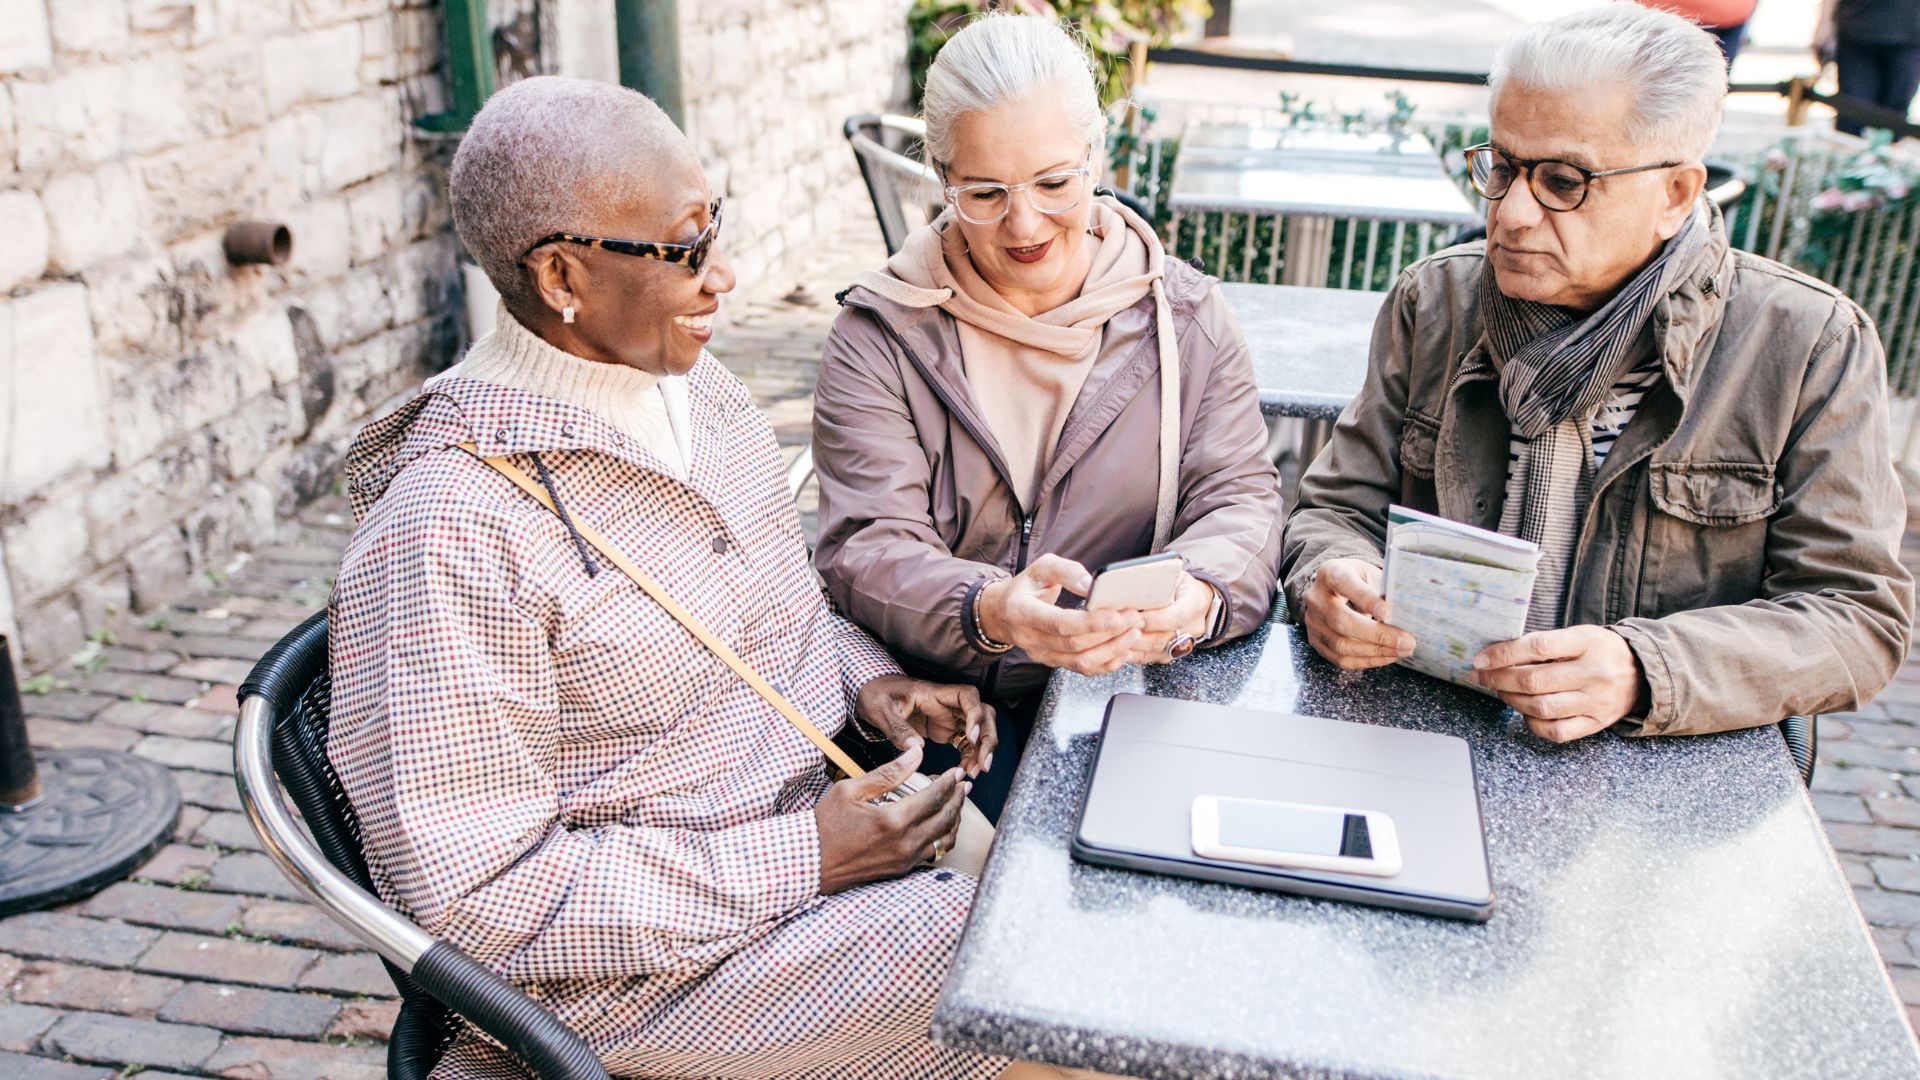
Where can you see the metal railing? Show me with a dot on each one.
(1360, 253)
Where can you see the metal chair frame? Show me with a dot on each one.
(436, 979)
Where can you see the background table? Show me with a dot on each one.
(1667, 907)
(1312, 175)
(1309, 346)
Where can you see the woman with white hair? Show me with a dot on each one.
(560, 542)
(1030, 389)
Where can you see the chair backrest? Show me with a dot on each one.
(293, 677)
(892, 177)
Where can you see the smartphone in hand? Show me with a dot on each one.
(1141, 584)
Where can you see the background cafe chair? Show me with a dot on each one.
(905, 190)
(283, 732)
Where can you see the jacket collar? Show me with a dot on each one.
(929, 338)
(507, 420)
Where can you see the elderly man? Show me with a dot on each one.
(1695, 436)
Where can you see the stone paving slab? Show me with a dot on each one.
(207, 963)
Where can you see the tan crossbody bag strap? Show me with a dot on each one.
(652, 588)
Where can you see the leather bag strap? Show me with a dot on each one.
(694, 626)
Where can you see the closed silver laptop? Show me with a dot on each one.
(1157, 754)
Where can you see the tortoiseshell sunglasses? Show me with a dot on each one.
(693, 256)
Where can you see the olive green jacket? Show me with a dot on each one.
(1744, 532)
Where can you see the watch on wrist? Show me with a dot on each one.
(1214, 611)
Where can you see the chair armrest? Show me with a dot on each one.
(524, 1026)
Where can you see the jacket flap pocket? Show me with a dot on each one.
(1715, 492)
(1417, 438)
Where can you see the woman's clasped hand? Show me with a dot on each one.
(1023, 611)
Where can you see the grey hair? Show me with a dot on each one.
(1003, 56)
(547, 155)
(1673, 68)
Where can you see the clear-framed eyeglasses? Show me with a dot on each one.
(1054, 193)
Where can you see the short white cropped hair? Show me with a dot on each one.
(547, 155)
(1673, 68)
(1001, 57)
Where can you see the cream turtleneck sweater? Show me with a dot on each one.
(637, 404)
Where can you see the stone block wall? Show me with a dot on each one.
(159, 408)
(767, 85)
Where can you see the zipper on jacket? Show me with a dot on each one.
(1019, 563)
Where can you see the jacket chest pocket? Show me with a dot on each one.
(1707, 534)
(1419, 442)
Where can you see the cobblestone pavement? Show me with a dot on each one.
(207, 963)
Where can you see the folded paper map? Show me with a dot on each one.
(1457, 589)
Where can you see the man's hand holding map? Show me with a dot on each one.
(1456, 588)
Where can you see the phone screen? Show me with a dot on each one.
(1304, 830)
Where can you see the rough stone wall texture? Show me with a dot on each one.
(767, 84)
(159, 408)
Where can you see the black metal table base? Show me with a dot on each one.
(101, 814)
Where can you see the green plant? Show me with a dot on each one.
(1110, 27)
(43, 683)
(1871, 180)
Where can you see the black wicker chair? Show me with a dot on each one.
(283, 732)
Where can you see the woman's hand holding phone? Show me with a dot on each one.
(1192, 602)
(1020, 612)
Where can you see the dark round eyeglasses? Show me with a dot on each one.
(1556, 185)
(692, 256)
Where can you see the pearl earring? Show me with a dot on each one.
(566, 314)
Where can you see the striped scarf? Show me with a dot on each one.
(1556, 370)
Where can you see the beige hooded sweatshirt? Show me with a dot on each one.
(1026, 372)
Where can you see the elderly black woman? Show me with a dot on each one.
(549, 768)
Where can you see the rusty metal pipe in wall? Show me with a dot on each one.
(263, 243)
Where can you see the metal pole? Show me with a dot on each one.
(19, 777)
(649, 32)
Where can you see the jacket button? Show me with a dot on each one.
(500, 436)
(1480, 506)
(719, 545)
(567, 429)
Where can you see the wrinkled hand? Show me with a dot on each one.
(1020, 611)
(1187, 614)
(1567, 683)
(862, 841)
(906, 709)
(1346, 619)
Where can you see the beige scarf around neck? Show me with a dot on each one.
(1026, 372)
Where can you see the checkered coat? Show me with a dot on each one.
(556, 776)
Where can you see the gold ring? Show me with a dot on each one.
(936, 851)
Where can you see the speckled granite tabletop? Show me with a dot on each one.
(1308, 346)
(1667, 907)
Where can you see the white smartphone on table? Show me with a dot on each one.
(1141, 584)
(1298, 835)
